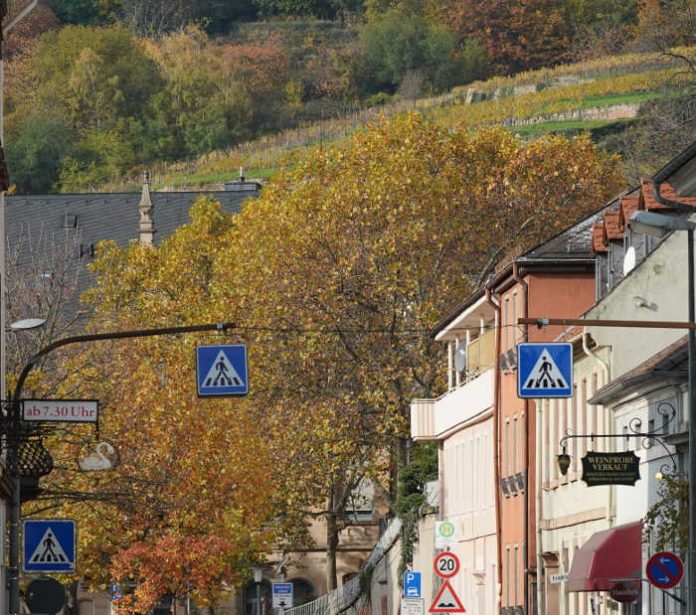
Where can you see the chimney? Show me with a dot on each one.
(242, 185)
(147, 222)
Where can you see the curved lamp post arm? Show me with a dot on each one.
(110, 335)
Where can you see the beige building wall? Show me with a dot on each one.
(570, 511)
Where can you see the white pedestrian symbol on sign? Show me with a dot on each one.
(48, 550)
(222, 374)
(545, 374)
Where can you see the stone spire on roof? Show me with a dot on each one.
(147, 221)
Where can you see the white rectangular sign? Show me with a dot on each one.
(412, 606)
(559, 578)
(282, 596)
(61, 410)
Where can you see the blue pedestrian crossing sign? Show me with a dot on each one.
(544, 370)
(222, 370)
(49, 545)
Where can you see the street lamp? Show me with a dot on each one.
(258, 578)
(26, 324)
(659, 225)
(14, 433)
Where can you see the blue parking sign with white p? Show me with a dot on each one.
(49, 545)
(222, 370)
(412, 584)
(544, 370)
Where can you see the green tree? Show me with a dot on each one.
(76, 11)
(104, 63)
(36, 142)
(398, 43)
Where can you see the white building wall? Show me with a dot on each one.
(468, 485)
(655, 290)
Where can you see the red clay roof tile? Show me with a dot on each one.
(667, 191)
(599, 243)
(612, 225)
(628, 204)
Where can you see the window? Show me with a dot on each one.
(359, 506)
(514, 446)
(507, 448)
(303, 591)
(517, 557)
(506, 322)
(251, 604)
(507, 576)
(574, 426)
(513, 329)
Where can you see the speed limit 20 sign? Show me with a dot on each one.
(446, 565)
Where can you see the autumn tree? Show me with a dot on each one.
(517, 35)
(334, 277)
(357, 252)
(190, 503)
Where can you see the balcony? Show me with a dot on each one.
(434, 419)
(480, 354)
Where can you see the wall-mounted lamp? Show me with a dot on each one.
(563, 461)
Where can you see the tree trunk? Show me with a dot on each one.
(331, 549)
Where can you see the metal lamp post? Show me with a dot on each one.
(659, 225)
(258, 578)
(14, 432)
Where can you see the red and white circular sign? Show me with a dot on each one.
(446, 565)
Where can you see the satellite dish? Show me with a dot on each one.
(629, 262)
(460, 357)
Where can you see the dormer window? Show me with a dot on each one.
(69, 220)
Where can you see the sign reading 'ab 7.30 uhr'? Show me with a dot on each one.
(61, 410)
(610, 468)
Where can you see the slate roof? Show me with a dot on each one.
(572, 243)
(94, 217)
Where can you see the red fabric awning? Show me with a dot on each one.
(606, 558)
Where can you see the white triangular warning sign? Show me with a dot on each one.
(447, 601)
(222, 374)
(545, 375)
(48, 551)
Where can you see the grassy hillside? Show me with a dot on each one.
(600, 96)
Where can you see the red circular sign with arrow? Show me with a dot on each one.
(664, 569)
(446, 564)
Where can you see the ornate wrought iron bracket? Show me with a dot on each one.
(664, 409)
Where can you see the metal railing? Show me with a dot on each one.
(352, 598)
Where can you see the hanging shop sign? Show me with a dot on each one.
(610, 468)
(626, 592)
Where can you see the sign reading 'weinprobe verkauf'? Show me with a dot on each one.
(61, 410)
(610, 468)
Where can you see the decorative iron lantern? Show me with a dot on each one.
(563, 461)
